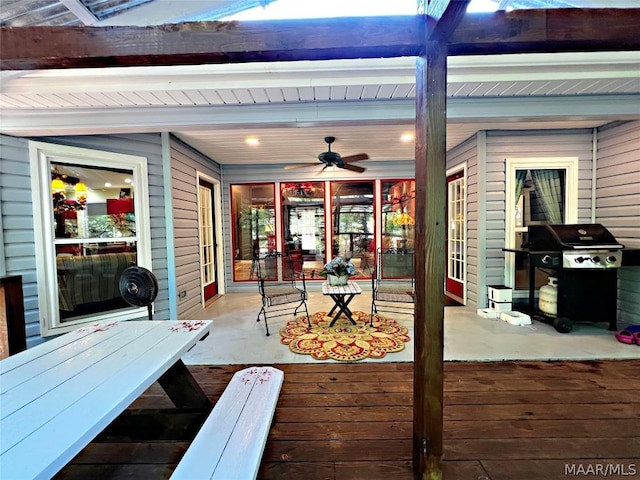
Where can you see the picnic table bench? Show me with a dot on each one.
(57, 397)
(230, 444)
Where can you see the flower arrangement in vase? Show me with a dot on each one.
(338, 271)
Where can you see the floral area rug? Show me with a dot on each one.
(344, 341)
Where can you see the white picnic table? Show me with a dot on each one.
(57, 397)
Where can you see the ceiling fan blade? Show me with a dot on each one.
(353, 168)
(355, 158)
(302, 165)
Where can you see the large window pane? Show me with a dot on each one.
(303, 225)
(398, 214)
(254, 226)
(353, 224)
(95, 237)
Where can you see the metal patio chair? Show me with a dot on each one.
(280, 286)
(393, 282)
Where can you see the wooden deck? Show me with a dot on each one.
(503, 421)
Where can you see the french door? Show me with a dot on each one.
(207, 223)
(456, 241)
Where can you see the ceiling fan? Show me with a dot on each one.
(330, 159)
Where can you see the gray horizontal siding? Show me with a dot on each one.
(529, 144)
(467, 152)
(186, 163)
(19, 257)
(618, 204)
(17, 212)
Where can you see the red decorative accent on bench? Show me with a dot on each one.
(188, 326)
(98, 327)
(261, 375)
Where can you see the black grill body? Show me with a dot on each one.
(585, 259)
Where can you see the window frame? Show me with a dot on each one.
(41, 155)
(571, 167)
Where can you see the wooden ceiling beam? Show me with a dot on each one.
(447, 15)
(547, 31)
(28, 48)
(518, 31)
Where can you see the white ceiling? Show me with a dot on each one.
(290, 107)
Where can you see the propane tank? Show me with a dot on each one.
(548, 300)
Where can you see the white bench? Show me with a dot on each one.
(232, 439)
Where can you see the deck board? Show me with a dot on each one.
(503, 421)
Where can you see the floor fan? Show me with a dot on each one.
(139, 287)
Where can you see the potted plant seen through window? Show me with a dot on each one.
(338, 271)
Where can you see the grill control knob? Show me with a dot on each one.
(611, 259)
(579, 259)
(596, 259)
(546, 259)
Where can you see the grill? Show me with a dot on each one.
(587, 246)
(585, 259)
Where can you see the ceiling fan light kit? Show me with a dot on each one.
(334, 159)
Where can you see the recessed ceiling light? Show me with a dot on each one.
(127, 180)
(107, 184)
(252, 141)
(407, 137)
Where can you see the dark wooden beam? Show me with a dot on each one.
(519, 31)
(430, 174)
(27, 48)
(547, 31)
(448, 14)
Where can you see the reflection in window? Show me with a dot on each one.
(95, 236)
(253, 226)
(540, 200)
(303, 226)
(353, 224)
(398, 214)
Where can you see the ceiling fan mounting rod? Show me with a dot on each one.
(329, 140)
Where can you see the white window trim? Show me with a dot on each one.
(571, 167)
(41, 155)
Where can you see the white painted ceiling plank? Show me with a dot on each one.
(228, 97)
(259, 95)
(370, 91)
(243, 95)
(212, 96)
(386, 91)
(323, 93)
(306, 94)
(275, 95)
(402, 91)
(290, 94)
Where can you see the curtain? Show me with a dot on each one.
(548, 185)
(520, 176)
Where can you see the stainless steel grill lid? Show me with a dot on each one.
(583, 236)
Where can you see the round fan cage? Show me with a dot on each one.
(138, 287)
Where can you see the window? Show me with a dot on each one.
(91, 223)
(398, 213)
(253, 227)
(303, 225)
(540, 191)
(353, 224)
